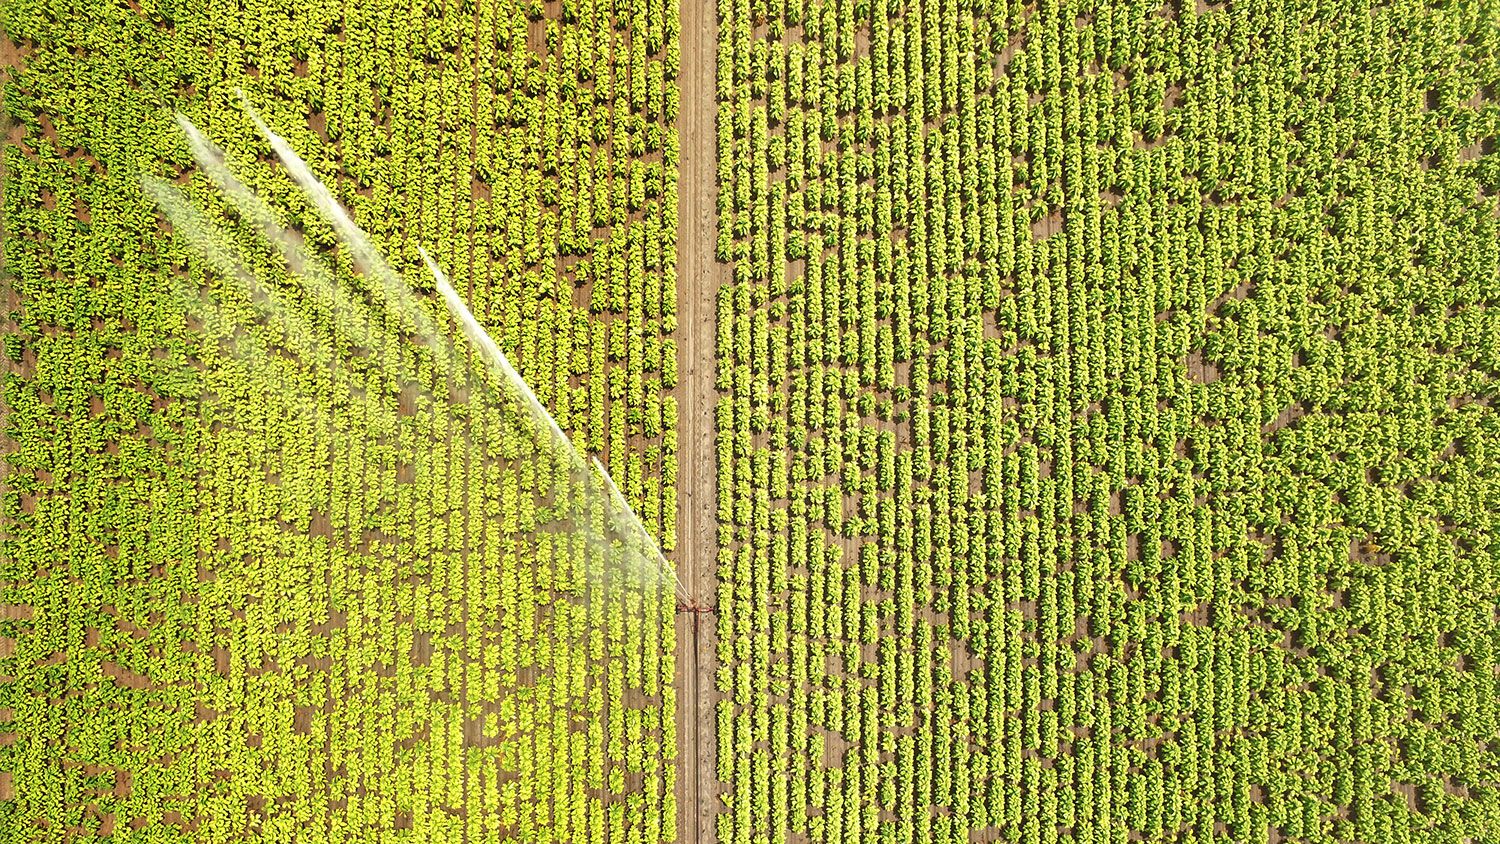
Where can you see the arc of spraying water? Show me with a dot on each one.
(215, 246)
(398, 298)
(621, 509)
(351, 315)
(399, 301)
(622, 505)
(367, 259)
(490, 349)
(309, 270)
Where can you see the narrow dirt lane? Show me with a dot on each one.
(698, 280)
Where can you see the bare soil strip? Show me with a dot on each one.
(699, 277)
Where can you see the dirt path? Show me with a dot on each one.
(698, 280)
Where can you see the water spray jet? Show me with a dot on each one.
(637, 543)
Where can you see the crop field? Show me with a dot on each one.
(231, 614)
(1070, 421)
(1107, 442)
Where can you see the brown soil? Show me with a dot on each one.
(1047, 226)
(124, 676)
(699, 279)
(1200, 370)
